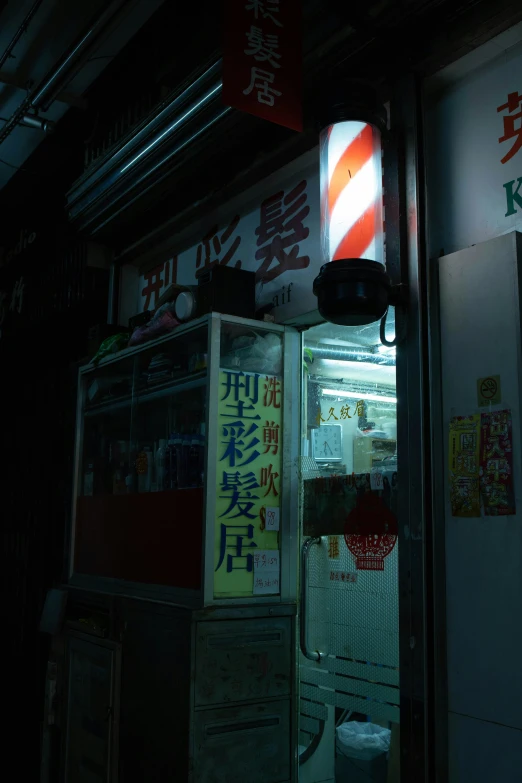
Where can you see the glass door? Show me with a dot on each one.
(349, 613)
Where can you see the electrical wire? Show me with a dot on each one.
(17, 168)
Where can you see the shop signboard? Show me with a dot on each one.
(262, 59)
(474, 160)
(273, 230)
(248, 484)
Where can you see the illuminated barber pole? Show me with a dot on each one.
(351, 192)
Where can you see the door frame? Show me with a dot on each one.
(422, 600)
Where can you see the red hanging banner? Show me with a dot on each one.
(262, 69)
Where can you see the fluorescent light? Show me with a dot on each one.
(172, 127)
(338, 362)
(359, 364)
(361, 396)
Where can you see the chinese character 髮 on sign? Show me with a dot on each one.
(282, 227)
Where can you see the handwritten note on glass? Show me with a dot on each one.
(266, 572)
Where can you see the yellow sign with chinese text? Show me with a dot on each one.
(464, 455)
(250, 418)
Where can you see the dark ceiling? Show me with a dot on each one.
(52, 29)
(166, 46)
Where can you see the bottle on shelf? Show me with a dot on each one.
(193, 462)
(150, 467)
(144, 468)
(160, 464)
(183, 468)
(102, 469)
(119, 485)
(121, 467)
(172, 461)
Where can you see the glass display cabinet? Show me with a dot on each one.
(183, 483)
(183, 558)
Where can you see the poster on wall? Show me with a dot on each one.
(496, 464)
(276, 235)
(464, 446)
(248, 482)
(481, 465)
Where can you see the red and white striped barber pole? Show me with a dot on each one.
(351, 192)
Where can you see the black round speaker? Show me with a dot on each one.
(352, 291)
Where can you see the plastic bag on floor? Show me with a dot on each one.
(364, 741)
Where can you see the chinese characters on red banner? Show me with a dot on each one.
(262, 59)
(249, 474)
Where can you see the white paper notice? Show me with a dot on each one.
(376, 480)
(272, 518)
(266, 572)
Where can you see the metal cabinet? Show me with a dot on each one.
(242, 661)
(175, 694)
(243, 743)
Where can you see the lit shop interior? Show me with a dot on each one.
(350, 405)
(349, 661)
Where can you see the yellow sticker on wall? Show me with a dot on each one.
(464, 455)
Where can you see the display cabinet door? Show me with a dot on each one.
(91, 753)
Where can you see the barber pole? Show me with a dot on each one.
(351, 192)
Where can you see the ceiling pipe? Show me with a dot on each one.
(41, 98)
(78, 55)
(21, 30)
(39, 123)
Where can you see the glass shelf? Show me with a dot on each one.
(148, 394)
